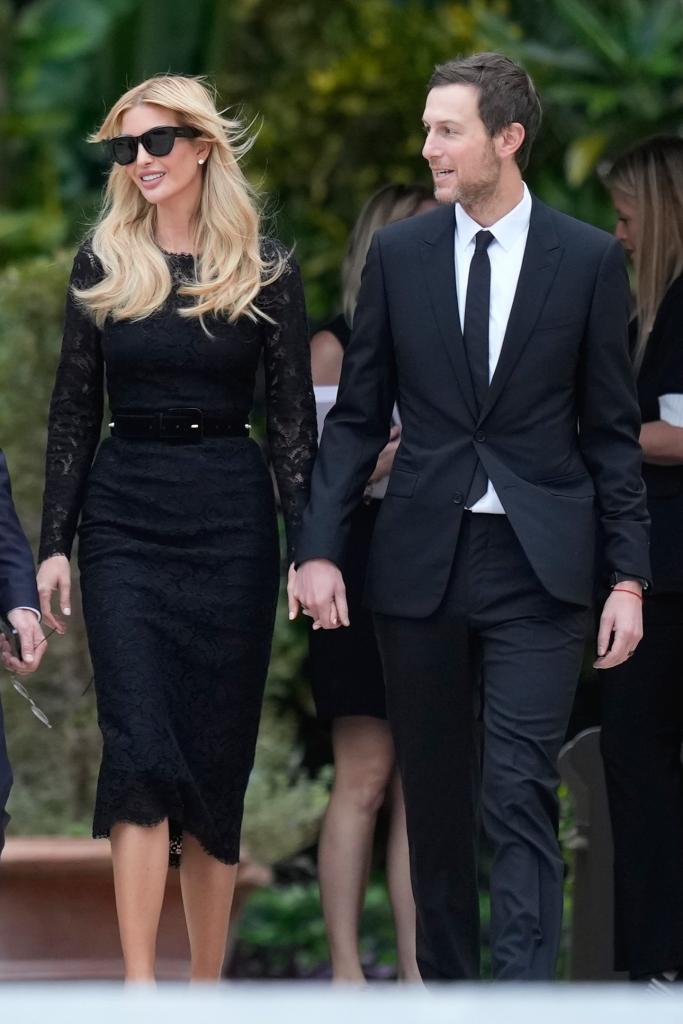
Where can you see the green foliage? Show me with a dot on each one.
(284, 926)
(337, 91)
(282, 934)
(608, 74)
(283, 806)
(51, 52)
(54, 769)
(31, 304)
(286, 684)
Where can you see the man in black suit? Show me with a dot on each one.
(19, 605)
(499, 326)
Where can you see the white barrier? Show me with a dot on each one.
(308, 1003)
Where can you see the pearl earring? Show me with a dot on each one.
(200, 162)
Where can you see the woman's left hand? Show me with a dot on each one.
(292, 601)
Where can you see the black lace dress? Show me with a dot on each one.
(178, 546)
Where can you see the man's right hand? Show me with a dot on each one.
(55, 574)
(31, 641)
(318, 590)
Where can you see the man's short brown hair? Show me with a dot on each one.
(506, 94)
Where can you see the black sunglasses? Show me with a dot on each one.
(157, 141)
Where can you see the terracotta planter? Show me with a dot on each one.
(58, 919)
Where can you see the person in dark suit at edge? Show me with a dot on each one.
(499, 325)
(19, 606)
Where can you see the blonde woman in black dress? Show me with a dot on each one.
(348, 685)
(174, 299)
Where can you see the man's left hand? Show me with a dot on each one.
(622, 622)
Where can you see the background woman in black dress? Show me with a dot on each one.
(348, 686)
(176, 296)
(643, 698)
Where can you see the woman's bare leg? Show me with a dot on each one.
(400, 888)
(364, 760)
(140, 860)
(207, 886)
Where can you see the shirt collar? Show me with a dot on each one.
(506, 231)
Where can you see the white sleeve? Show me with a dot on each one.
(671, 409)
(25, 608)
(325, 397)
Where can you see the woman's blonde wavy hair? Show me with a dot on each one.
(230, 268)
(651, 174)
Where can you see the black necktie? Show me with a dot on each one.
(476, 336)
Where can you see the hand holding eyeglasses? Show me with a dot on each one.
(30, 640)
(27, 639)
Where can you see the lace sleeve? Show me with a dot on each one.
(75, 417)
(290, 405)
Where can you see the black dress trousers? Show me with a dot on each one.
(496, 625)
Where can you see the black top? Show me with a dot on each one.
(662, 374)
(179, 365)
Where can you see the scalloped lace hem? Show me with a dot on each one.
(175, 842)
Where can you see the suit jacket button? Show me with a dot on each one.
(480, 436)
(457, 498)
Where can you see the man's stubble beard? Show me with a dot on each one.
(474, 194)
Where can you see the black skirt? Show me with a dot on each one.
(346, 671)
(179, 573)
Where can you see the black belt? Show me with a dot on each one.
(187, 424)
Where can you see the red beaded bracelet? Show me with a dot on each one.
(623, 590)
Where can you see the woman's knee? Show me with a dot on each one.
(364, 761)
(364, 783)
(367, 795)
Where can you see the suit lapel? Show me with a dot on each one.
(438, 264)
(541, 259)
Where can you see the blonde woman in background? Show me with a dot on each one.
(348, 685)
(642, 712)
(175, 296)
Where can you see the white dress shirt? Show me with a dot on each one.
(506, 252)
(671, 409)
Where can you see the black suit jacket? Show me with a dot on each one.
(17, 575)
(558, 434)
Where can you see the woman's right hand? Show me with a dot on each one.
(54, 574)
